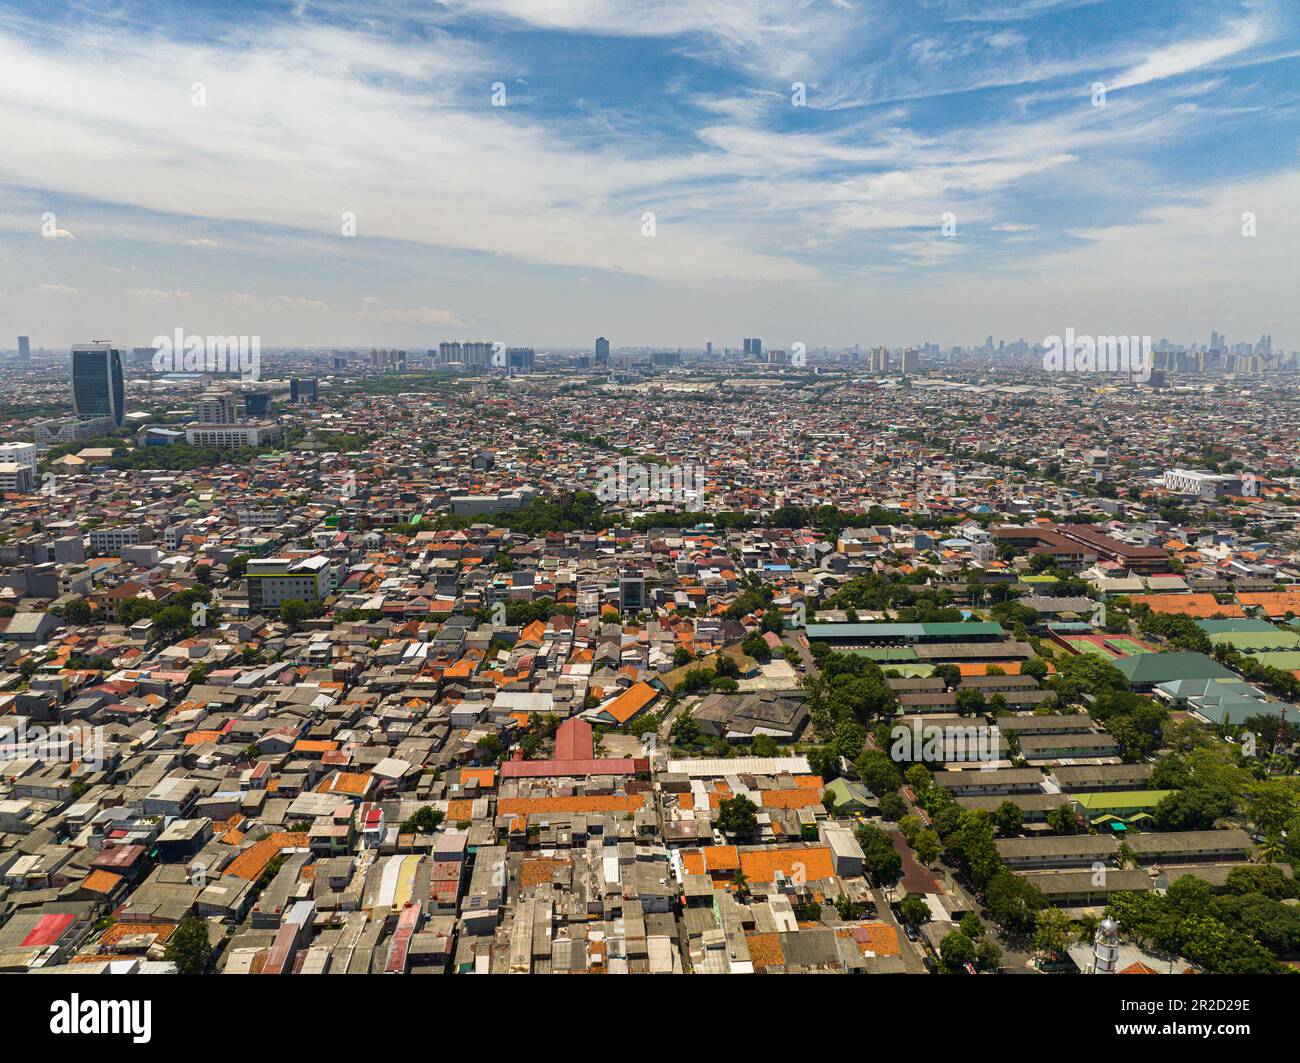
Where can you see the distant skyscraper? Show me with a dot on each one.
(754, 347)
(520, 359)
(708, 349)
(257, 404)
(24, 348)
(911, 361)
(215, 407)
(602, 351)
(97, 388)
(305, 389)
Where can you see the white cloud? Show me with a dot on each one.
(1186, 56)
(156, 293)
(423, 315)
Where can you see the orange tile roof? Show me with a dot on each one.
(352, 783)
(761, 865)
(485, 777)
(631, 701)
(765, 950)
(711, 858)
(879, 938)
(982, 667)
(250, 864)
(812, 782)
(588, 803)
(101, 881)
(460, 810)
(115, 933)
(536, 872)
(798, 798)
(1195, 605)
(312, 745)
(1274, 603)
(196, 738)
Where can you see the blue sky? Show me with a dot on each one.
(127, 211)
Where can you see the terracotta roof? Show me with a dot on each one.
(761, 865)
(250, 864)
(630, 702)
(587, 803)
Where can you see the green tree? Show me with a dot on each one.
(956, 950)
(1052, 933)
(881, 859)
(914, 910)
(188, 947)
(1064, 819)
(489, 749)
(293, 611)
(425, 820)
(738, 816)
(987, 954)
(891, 807)
(1008, 819)
(1012, 900)
(78, 612)
(927, 846)
(878, 773)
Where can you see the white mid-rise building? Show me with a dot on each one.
(21, 454)
(248, 434)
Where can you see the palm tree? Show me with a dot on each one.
(740, 883)
(1124, 856)
(1270, 849)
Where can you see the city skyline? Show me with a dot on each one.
(861, 166)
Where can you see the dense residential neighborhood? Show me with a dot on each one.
(917, 675)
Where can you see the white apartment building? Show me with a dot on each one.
(248, 434)
(109, 541)
(16, 477)
(1196, 483)
(20, 453)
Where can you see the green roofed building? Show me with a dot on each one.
(1239, 624)
(1127, 805)
(1144, 670)
(890, 654)
(850, 797)
(1273, 642)
(883, 634)
(1285, 661)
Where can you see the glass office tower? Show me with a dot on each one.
(97, 388)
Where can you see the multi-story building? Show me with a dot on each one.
(304, 390)
(275, 580)
(247, 434)
(16, 477)
(97, 387)
(215, 407)
(110, 541)
(21, 453)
